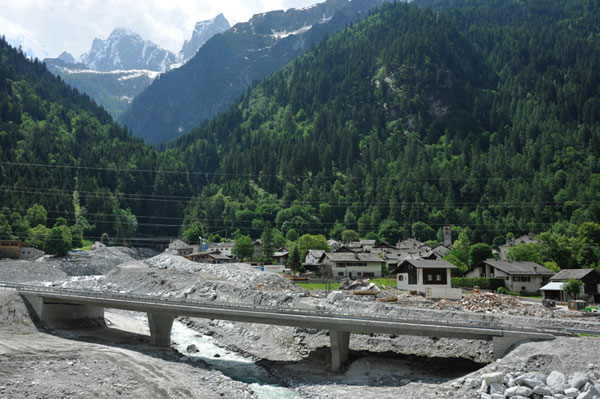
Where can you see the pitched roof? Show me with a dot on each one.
(518, 268)
(279, 254)
(352, 257)
(567, 274)
(430, 264)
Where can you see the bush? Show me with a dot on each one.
(502, 290)
(488, 283)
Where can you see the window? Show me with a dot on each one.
(359, 273)
(507, 278)
(438, 277)
(368, 274)
(400, 277)
(340, 273)
(429, 277)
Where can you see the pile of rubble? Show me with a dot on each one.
(488, 302)
(497, 385)
(479, 302)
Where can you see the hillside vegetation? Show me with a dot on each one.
(485, 115)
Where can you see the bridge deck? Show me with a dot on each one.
(308, 318)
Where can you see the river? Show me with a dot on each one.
(233, 365)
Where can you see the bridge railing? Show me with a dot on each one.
(153, 299)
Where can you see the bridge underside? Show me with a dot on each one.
(161, 323)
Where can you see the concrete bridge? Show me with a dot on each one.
(55, 305)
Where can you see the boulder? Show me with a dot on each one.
(556, 380)
(542, 390)
(592, 393)
(578, 380)
(497, 388)
(572, 392)
(335, 296)
(524, 391)
(489, 378)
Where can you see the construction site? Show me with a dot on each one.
(214, 357)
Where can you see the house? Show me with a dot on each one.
(177, 244)
(225, 248)
(312, 260)
(281, 256)
(590, 292)
(352, 264)
(18, 250)
(518, 276)
(526, 239)
(362, 245)
(429, 277)
(214, 257)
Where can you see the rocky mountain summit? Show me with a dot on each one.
(203, 31)
(126, 50)
(228, 63)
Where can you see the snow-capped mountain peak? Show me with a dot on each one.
(126, 50)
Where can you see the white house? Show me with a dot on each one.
(518, 276)
(429, 277)
(223, 247)
(352, 264)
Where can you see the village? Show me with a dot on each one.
(414, 266)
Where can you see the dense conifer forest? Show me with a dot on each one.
(484, 115)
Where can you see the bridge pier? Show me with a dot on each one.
(53, 311)
(340, 347)
(502, 345)
(160, 325)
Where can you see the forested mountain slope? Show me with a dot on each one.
(62, 151)
(228, 63)
(484, 114)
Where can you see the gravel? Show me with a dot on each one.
(380, 365)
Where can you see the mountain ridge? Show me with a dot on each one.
(228, 63)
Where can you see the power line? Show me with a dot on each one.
(344, 204)
(252, 175)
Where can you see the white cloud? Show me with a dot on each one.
(48, 27)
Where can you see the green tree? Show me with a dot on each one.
(423, 232)
(60, 221)
(389, 231)
(573, 287)
(38, 236)
(193, 233)
(243, 247)
(76, 235)
(349, 236)
(126, 225)
(292, 235)
(309, 241)
(530, 252)
(5, 228)
(36, 215)
(478, 253)
(267, 240)
(293, 262)
(58, 241)
(589, 232)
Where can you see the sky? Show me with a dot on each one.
(46, 28)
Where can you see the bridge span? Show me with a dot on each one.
(58, 304)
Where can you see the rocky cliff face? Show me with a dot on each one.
(228, 63)
(203, 31)
(126, 50)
